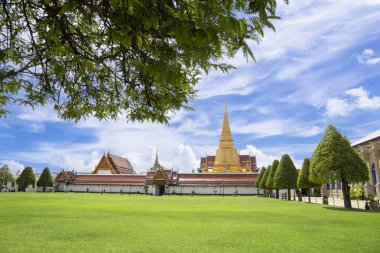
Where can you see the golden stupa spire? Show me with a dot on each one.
(227, 157)
(226, 139)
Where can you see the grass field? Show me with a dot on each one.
(73, 222)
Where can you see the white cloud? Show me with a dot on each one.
(337, 107)
(310, 131)
(275, 127)
(186, 158)
(262, 158)
(14, 166)
(357, 98)
(219, 84)
(36, 128)
(39, 114)
(363, 101)
(368, 57)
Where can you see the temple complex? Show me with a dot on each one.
(227, 173)
(227, 159)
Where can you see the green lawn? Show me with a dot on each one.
(80, 222)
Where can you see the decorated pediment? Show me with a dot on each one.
(104, 166)
(160, 176)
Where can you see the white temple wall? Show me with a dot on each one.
(211, 190)
(103, 188)
(201, 190)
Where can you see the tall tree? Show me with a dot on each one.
(104, 58)
(269, 182)
(303, 178)
(264, 180)
(286, 175)
(26, 178)
(335, 159)
(5, 176)
(258, 180)
(45, 179)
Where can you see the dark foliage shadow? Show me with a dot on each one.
(334, 208)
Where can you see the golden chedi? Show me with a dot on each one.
(227, 157)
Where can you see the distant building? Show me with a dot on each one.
(246, 161)
(113, 164)
(227, 159)
(369, 149)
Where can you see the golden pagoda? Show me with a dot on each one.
(227, 158)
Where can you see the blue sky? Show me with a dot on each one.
(321, 66)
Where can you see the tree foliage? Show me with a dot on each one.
(303, 177)
(263, 183)
(45, 179)
(5, 176)
(357, 192)
(103, 58)
(286, 174)
(26, 178)
(258, 180)
(335, 160)
(269, 183)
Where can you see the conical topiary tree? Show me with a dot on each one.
(335, 159)
(286, 175)
(269, 182)
(45, 180)
(258, 180)
(264, 180)
(303, 178)
(26, 178)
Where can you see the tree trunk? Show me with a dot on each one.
(346, 194)
(277, 193)
(308, 194)
(43, 188)
(289, 196)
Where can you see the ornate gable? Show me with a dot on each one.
(104, 166)
(160, 176)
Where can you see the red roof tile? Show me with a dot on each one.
(120, 162)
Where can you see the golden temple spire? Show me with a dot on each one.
(227, 157)
(226, 139)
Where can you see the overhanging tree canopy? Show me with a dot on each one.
(103, 58)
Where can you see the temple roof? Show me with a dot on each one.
(113, 164)
(370, 137)
(120, 162)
